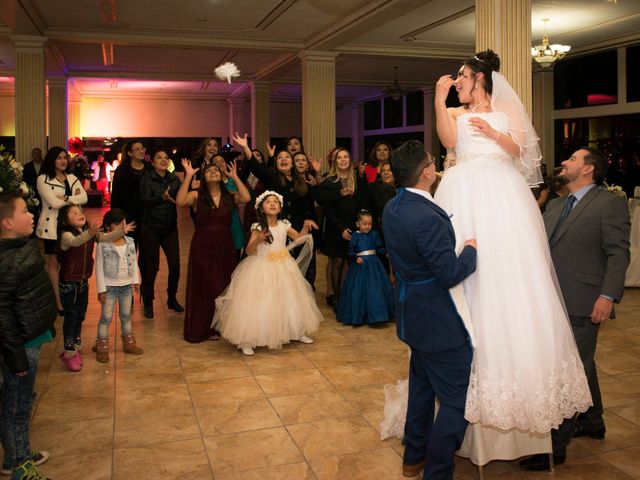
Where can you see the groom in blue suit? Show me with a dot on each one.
(421, 245)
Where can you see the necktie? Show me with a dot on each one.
(568, 206)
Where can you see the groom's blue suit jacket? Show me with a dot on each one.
(421, 245)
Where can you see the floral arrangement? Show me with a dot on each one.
(11, 177)
(616, 190)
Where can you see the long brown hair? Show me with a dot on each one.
(351, 176)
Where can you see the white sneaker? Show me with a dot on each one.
(247, 350)
(305, 339)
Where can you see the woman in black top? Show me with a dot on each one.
(296, 191)
(343, 194)
(158, 189)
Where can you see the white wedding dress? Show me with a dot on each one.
(269, 302)
(526, 376)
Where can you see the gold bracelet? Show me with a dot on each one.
(498, 135)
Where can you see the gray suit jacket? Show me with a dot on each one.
(591, 252)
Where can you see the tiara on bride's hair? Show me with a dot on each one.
(266, 194)
(478, 59)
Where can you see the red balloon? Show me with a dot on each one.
(75, 145)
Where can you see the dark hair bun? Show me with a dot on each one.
(491, 58)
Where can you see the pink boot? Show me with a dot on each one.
(74, 364)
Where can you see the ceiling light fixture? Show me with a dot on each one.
(546, 54)
(395, 91)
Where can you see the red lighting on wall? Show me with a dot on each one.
(601, 99)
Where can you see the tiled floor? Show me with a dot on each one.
(307, 412)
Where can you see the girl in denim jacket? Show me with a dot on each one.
(76, 240)
(117, 276)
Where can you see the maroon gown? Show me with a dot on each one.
(212, 259)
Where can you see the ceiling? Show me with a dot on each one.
(170, 48)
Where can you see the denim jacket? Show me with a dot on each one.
(108, 263)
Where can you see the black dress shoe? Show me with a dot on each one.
(148, 311)
(581, 431)
(173, 304)
(540, 462)
(329, 299)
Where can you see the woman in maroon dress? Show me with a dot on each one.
(212, 256)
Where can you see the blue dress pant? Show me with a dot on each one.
(445, 376)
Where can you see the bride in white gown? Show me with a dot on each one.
(526, 375)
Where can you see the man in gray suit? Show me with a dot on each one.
(589, 238)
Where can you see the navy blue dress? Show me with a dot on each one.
(366, 296)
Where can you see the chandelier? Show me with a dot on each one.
(546, 54)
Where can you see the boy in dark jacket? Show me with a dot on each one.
(27, 313)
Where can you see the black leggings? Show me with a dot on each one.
(151, 241)
(337, 267)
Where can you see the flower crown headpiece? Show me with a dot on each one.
(266, 194)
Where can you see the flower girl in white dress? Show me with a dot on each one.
(268, 302)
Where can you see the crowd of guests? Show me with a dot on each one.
(260, 219)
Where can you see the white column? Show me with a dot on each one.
(260, 98)
(236, 117)
(318, 102)
(30, 99)
(505, 27)
(75, 118)
(58, 118)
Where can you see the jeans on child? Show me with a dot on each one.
(17, 402)
(74, 297)
(124, 296)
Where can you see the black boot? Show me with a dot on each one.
(173, 304)
(148, 310)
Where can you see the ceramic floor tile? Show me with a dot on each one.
(382, 463)
(290, 383)
(251, 450)
(187, 459)
(154, 428)
(75, 437)
(309, 407)
(86, 466)
(239, 416)
(82, 406)
(292, 471)
(626, 460)
(356, 374)
(218, 392)
(147, 400)
(332, 356)
(335, 436)
(266, 362)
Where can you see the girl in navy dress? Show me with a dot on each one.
(366, 297)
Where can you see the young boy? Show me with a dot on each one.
(27, 313)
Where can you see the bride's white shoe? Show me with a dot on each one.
(246, 350)
(305, 339)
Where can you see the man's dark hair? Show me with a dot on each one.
(600, 164)
(8, 203)
(407, 162)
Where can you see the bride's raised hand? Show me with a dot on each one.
(482, 126)
(443, 85)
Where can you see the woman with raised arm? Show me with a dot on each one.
(527, 376)
(212, 256)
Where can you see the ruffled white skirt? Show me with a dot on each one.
(268, 303)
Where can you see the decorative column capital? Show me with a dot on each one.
(236, 101)
(318, 56)
(57, 81)
(428, 90)
(29, 43)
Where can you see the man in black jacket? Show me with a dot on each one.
(27, 313)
